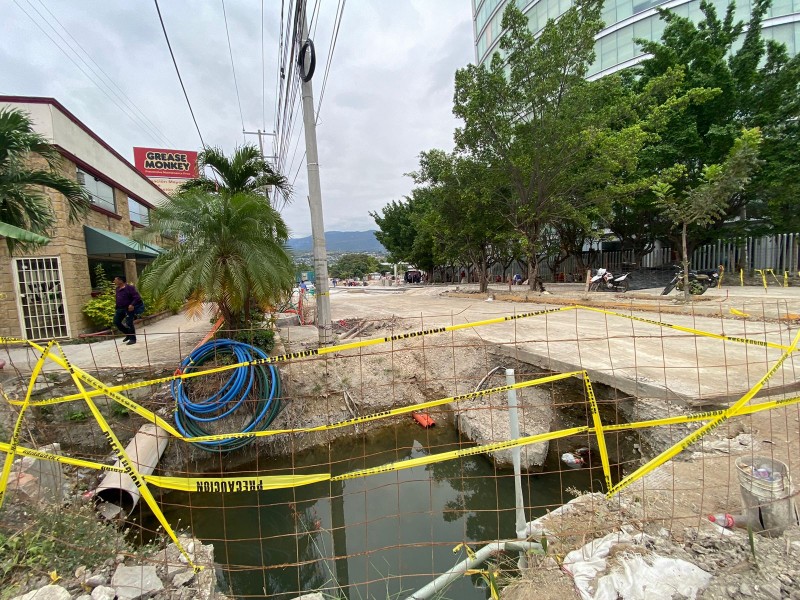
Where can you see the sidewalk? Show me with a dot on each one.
(159, 345)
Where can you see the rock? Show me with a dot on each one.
(181, 579)
(772, 590)
(312, 596)
(103, 592)
(80, 573)
(485, 426)
(95, 580)
(745, 590)
(84, 597)
(131, 583)
(39, 479)
(48, 592)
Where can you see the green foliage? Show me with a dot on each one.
(354, 265)
(57, 539)
(26, 215)
(400, 232)
(77, 416)
(100, 309)
(260, 338)
(754, 85)
(232, 252)
(245, 171)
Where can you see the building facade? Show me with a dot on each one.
(42, 292)
(626, 21)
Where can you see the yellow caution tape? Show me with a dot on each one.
(598, 430)
(262, 483)
(718, 336)
(710, 426)
(388, 413)
(18, 425)
(127, 464)
(738, 313)
(290, 355)
(227, 485)
(443, 456)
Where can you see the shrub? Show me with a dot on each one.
(100, 309)
(55, 539)
(260, 338)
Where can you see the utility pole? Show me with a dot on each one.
(261, 135)
(315, 204)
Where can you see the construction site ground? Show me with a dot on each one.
(670, 371)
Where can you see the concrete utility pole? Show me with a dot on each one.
(315, 204)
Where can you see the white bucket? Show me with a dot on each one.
(766, 489)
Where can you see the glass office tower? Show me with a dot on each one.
(625, 21)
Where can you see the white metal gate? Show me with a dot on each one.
(40, 298)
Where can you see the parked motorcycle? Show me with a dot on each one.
(699, 281)
(605, 280)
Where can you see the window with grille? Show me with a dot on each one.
(101, 193)
(139, 213)
(40, 298)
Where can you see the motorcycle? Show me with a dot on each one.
(699, 281)
(605, 280)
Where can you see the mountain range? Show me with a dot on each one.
(341, 241)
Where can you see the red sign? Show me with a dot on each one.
(156, 162)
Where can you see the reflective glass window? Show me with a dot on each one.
(101, 194)
(780, 8)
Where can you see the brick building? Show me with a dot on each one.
(42, 292)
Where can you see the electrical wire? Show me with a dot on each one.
(109, 81)
(177, 70)
(233, 66)
(331, 48)
(127, 113)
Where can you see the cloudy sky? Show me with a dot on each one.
(388, 95)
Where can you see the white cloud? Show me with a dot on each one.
(388, 96)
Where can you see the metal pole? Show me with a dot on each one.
(315, 205)
(513, 419)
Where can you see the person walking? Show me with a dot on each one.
(129, 305)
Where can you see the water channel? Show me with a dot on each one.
(396, 531)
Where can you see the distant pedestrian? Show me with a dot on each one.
(129, 305)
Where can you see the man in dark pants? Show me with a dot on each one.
(129, 305)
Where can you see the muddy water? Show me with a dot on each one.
(397, 530)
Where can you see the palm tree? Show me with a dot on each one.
(245, 171)
(26, 215)
(231, 252)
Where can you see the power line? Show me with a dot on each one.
(127, 112)
(331, 49)
(120, 93)
(263, 75)
(174, 62)
(233, 67)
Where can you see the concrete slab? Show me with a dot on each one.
(638, 358)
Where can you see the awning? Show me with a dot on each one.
(100, 241)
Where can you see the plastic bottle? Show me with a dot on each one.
(729, 521)
(723, 520)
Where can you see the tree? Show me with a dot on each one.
(231, 251)
(529, 116)
(245, 171)
(702, 204)
(26, 214)
(354, 265)
(757, 87)
(402, 234)
(463, 216)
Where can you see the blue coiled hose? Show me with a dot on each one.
(190, 415)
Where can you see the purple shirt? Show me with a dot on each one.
(127, 296)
